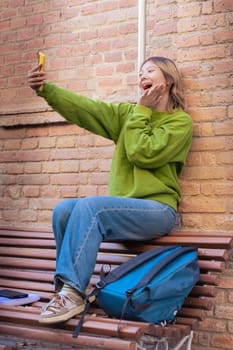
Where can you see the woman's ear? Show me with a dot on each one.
(169, 84)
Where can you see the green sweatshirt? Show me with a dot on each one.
(150, 146)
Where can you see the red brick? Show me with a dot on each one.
(189, 10)
(70, 166)
(126, 3)
(202, 53)
(209, 143)
(224, 157)
(18, 22)
(225, 188)
(108, 5)
(207, 7)
(223, 5)
(31, 191)
(165, 28)
(33, 179)
(12, 145)
(203, 204)
(88, 190)
(226, 283)
(32, 168)
(204, 172)
(105, 69)
(188, 41)
(222, 66)
(128, 28)
(204, 339)
(53, 40)
(65, 142)
(223, 97)
(4, 25)
(224, 35)
(69, 178)
(99, 178)
(34, 20)
(218, 326)
(50, 192)
(222, 341)
(29, 144)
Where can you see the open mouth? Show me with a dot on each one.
(147, 86)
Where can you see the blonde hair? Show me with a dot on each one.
(173, 76)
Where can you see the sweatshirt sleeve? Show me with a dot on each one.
(101, 118)
(153, 144)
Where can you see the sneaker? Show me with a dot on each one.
(62, 307)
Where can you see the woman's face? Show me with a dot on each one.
(150, 75)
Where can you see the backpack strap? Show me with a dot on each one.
(130, 265)
(154, 271)
(161, 265)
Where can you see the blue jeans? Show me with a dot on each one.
(80, 225)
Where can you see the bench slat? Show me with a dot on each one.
(41, 243)
(64, 337)
(36, 275)
(91, 326)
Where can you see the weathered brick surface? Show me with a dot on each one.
(91, 48)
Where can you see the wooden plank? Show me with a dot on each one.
(208, 291)
(43, 276)
(199, 303)
(211, 242)
(202, 241)
(28, 252)
(28, 263)
(217, 266)
(21, 232)
(201, 233)
(193, 313)
(144, 326)
(90, 326)
(27, 242)
(27, 285)
(50, 335)
(192, 322)
(103, 258)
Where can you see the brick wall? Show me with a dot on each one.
(91, 48)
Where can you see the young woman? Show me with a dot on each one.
(152, 139)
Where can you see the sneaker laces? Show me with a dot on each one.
(59, 300)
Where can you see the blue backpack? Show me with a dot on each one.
(150, 287)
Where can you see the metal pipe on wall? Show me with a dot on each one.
(141, 31)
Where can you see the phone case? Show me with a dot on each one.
(12, 294)
(42, 62)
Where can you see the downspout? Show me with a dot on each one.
(141, 32)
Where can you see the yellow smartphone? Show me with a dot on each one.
(41, 60)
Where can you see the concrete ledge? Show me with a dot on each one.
(23, 117)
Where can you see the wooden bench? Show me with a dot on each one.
(27, 263)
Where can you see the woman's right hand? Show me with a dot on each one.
(36, 77)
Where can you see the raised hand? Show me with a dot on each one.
(36, 77)
(151, 96)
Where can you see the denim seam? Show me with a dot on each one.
(106, 210)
